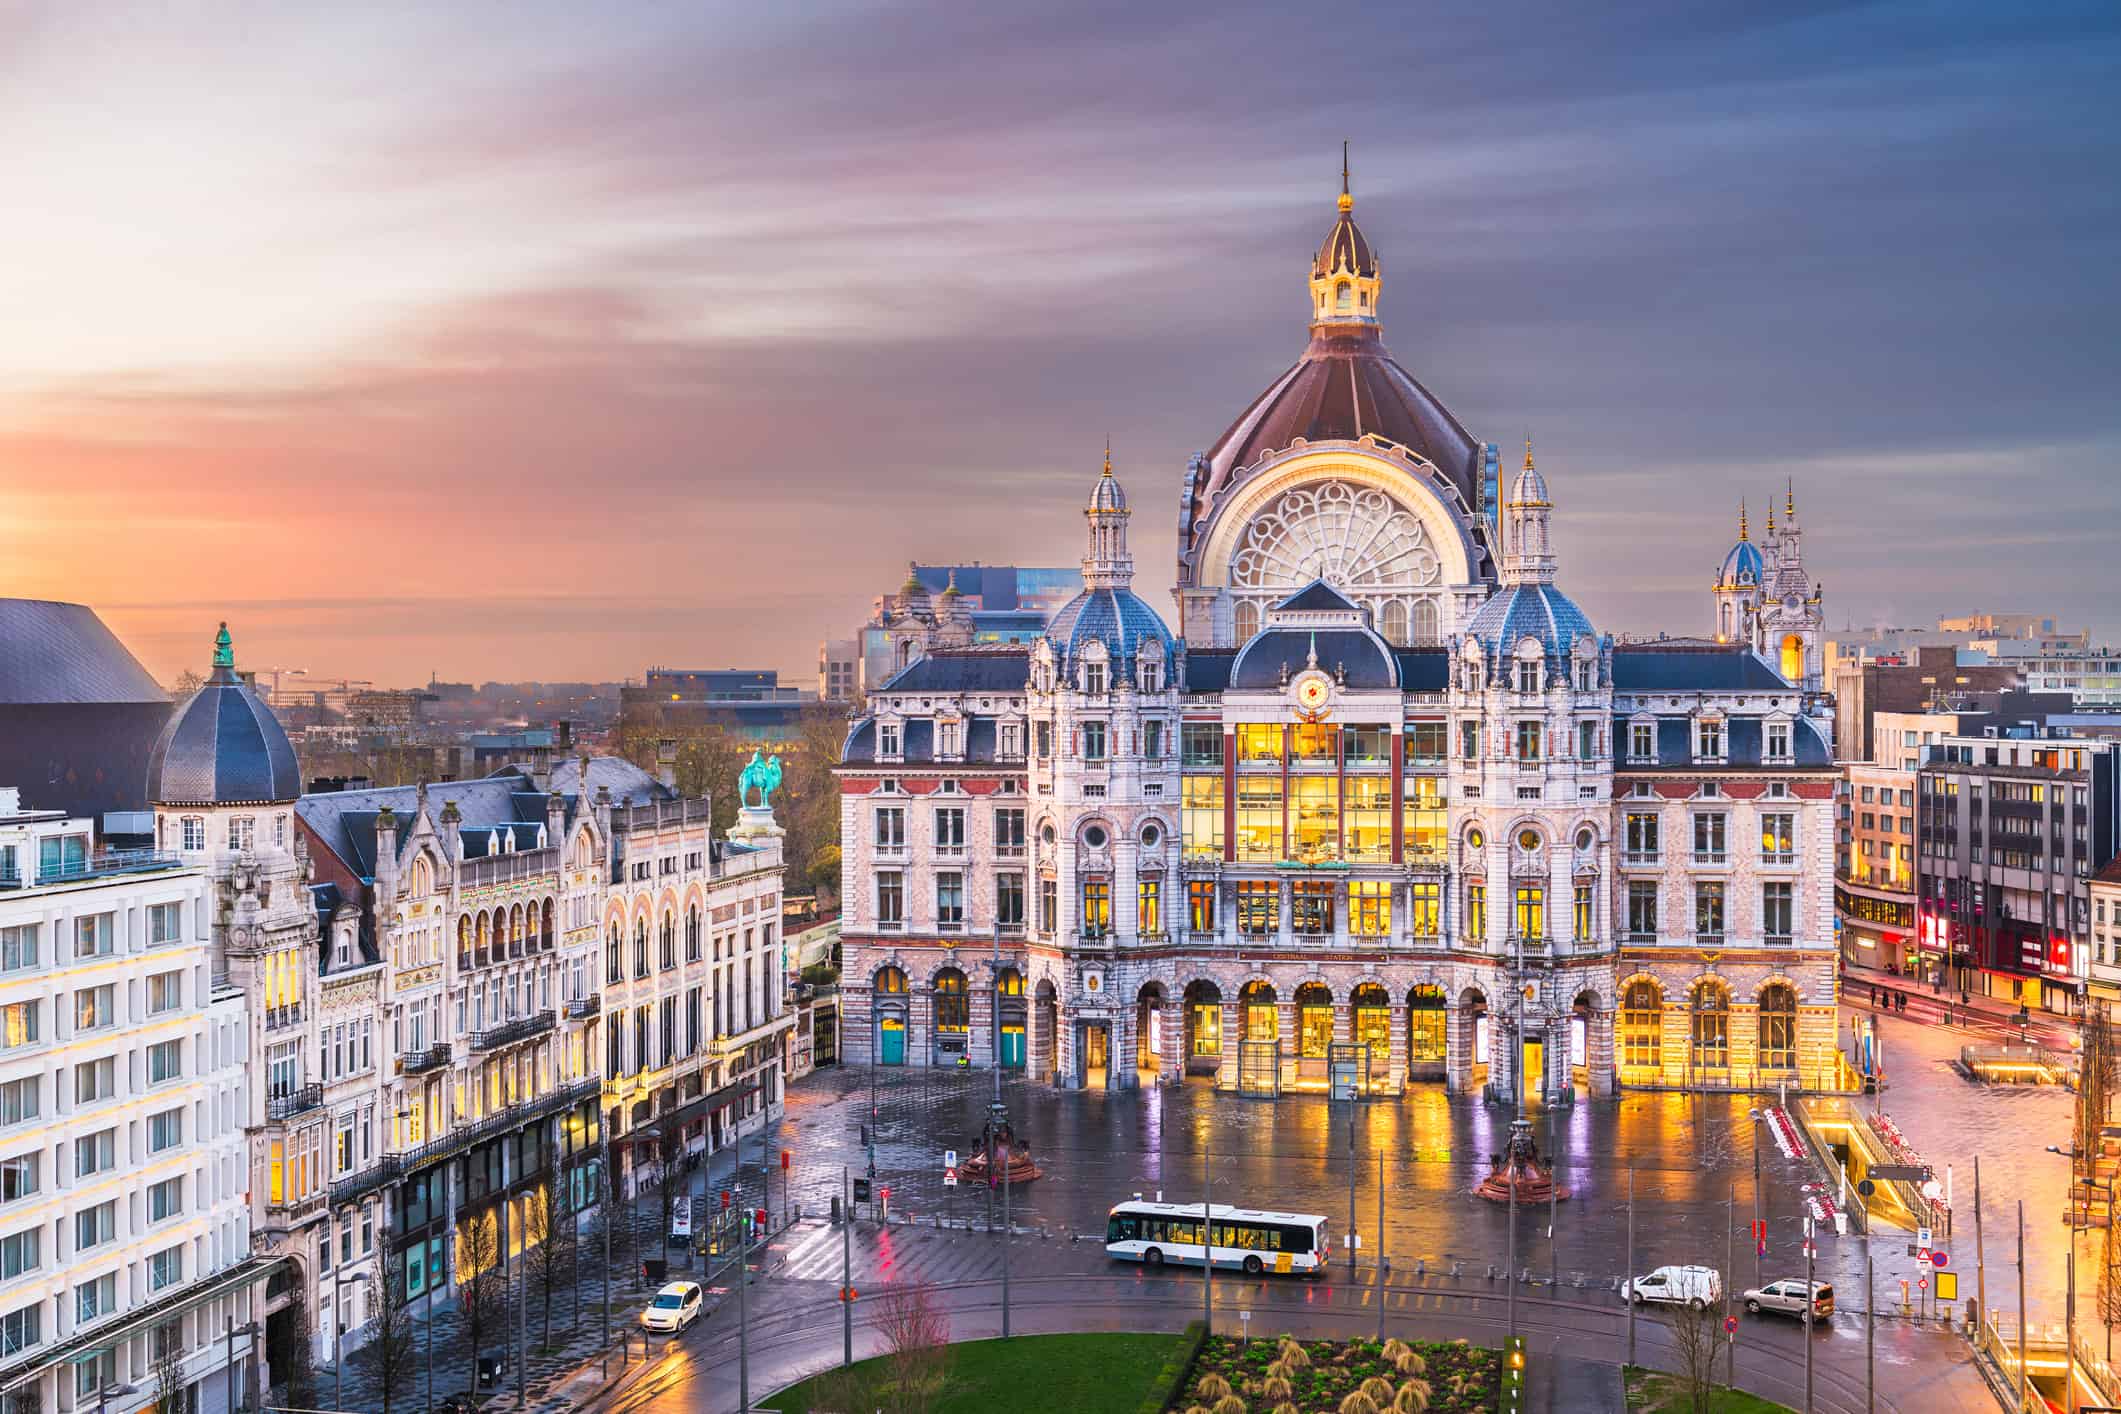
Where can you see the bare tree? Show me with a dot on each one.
(1696, 1338)
(390, 1359)
(2095, 1089)
(296, 1365)
(167, 1344)
(549, 1243)
(2109, 1278)
(482, 1289)
(916, 1334)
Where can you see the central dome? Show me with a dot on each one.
(1347, 385)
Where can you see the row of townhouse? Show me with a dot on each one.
(300, 1045)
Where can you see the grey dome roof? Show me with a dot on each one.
(224, 746)
(62, 653)
(1116, 617)
(1357, 655)
(1519, 611)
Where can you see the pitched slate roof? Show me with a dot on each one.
(1208, 669)
(1275, 654)
(1745, 741)
(1006, 668)
(1318, 596)
(62, 653)
(1650, 667)
(346, 820)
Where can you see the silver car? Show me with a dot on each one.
(1787, 1298)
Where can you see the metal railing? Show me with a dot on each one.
(583, 1007)
(109, 861)
(433, 1058)
(294, 1102)
(508, 1033)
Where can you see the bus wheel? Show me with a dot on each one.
(1154, 1257)
(1252, 1266)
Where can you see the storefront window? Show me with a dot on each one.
(1370, 908)
(1262, 1018)
(1642, 1026)
(1314, 1021)
(1258, 907)
(1425, 1025)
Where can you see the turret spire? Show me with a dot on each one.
(1347, 196)
(1108, 565)
(1741, 519)
(224, 649)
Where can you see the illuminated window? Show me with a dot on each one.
(1532, 912)
(1258, 907)
(1262, 1016)
(1425, 1024)
(1641, 1026)
(1259, 818)
(1201, 816)
(1711, 1027)
(1583, 912)
(953, 1009)
(1200, 905)
(1314, 818)
(1149, 900)
(1778, 1028)
(1097, 907)
(1311, 908)
(1424, 905)
(1476, 911)
(1314, 1021)
(1370, 908)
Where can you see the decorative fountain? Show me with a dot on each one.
(1001, 1154)
(1518, 1169)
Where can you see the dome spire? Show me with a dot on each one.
(1108, 565)
(1344, 274)
(1347, 197)
(1742, 535)
(1528, 449)
(224, 648)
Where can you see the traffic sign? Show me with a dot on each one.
(949, 1158)
(1947, 1287)
(1866, 1187)
(950, 1178)
(1900, 1173)
(1937, 1256)
(1922, 1237)
(1922, 1283)
(1730, 1325)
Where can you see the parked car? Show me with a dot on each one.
(1787, 1298)
(1698, 1287)
(675, 1307)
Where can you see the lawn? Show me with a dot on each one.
(1093, 1374)
(1652, 1393)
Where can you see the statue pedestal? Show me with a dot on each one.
(755, 822)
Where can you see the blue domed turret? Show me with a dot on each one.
(1116, 617)
(1744, 565)
(1519, 611)
(224, 746)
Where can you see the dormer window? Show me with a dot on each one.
(1093, 678)
(888, 742)
(949, 738)
(1528, 675)
(1586, 674)
(1778, 741)
(1152, 675)
(1708, 738)
(1642, 741)
(1011, 739)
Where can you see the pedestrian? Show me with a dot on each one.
(1903, 1001)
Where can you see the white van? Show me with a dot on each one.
(1698, 1287)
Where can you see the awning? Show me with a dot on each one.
(106, 1335)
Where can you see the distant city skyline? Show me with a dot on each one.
(580, 345)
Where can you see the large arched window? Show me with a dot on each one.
(1011, 983)
(1425, 627)
(1425, 1023)
(1246, 616)
(640, 947)
(692, 934)
(1711, 1044)
(953, 1010)
(1778, 1027)
(1314, 1020)
(1392, 623)
(1793, 658)
(891, 981)
(1642, 1026)
(667, 951)
(612, 966)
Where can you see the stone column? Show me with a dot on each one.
(1457, 1048)
(1396, 1057)
(1233, 1037)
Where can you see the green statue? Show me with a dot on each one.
(764, 775)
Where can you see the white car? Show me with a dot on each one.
(1698, 1287)
(675, 1307)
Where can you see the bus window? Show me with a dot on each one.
(1124, 1229)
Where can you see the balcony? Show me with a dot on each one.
(433, 1058)
(294, 1102)
(582, 1008)
(279, 1018)
(890, 925)
(1780, 940)
(1642, 859)
(508, 1033)
(381, 1174)
(96, 866)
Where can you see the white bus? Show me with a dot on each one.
(1245, 1239)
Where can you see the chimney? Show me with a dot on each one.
(555, 818)
(386, 851)
(447, 832)
(666, 763)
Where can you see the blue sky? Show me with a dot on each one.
(550, 340)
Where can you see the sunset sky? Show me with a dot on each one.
(553, 340)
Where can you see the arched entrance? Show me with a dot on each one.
(1641, 1033)
(1371, 1013)
(1259, 1054)
(1204, 1028)
(1473, 1021)
(1427, 1034)
(1009, 998)
(888, 1008)
(1149, 1032)
(1583, 1019)
(1314, 1032)
(1709, 1039)
(951, 1017)
(1776, 1055)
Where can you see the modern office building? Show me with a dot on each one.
(127, 1272)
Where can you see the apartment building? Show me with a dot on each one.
(126, 1266)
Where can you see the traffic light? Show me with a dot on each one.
(758, 1218)
(784, 1161)
(725, 1199)
(861, 1190)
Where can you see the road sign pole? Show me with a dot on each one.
(1007, 1233)
(1759, 1239)
(1207, 1250)
(1980, 1258)
(1631, 1263)
(1870, 1331)
(1809, 1305)
(846, 1271)
(2021, 1303)
(1730, 1337)
(1382, 1264)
